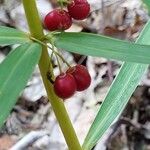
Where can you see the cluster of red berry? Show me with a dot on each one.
(60, 19)
(76, 78)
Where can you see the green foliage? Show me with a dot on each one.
(10, 36)
(102, 46)
(118, 95)
(15, 71)
(126, 81)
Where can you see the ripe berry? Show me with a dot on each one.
(58, 20)
(65, 85)
(79, 9)
(81, 75)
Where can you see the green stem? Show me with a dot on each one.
(62, 58)
(53, 49)
(36, 30)
(61, 4)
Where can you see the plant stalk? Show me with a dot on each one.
(45, 65)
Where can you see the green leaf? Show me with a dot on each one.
(102, 46)
(10, 36)
(15, 71)
(147, 3)
(120, 91)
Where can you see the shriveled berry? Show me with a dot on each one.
(79, 9)
(58, 20)
(81, 75)
(65, 85)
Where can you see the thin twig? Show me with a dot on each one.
(29, 139)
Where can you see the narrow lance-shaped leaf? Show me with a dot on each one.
(15, 71)
(118, 95)
(102, 46)
(10, 36)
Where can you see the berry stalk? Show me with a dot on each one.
(36, 30)
(53, 50)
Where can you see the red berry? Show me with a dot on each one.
(65, 85)
(81, 75)
(58, 20)
(79, 9)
